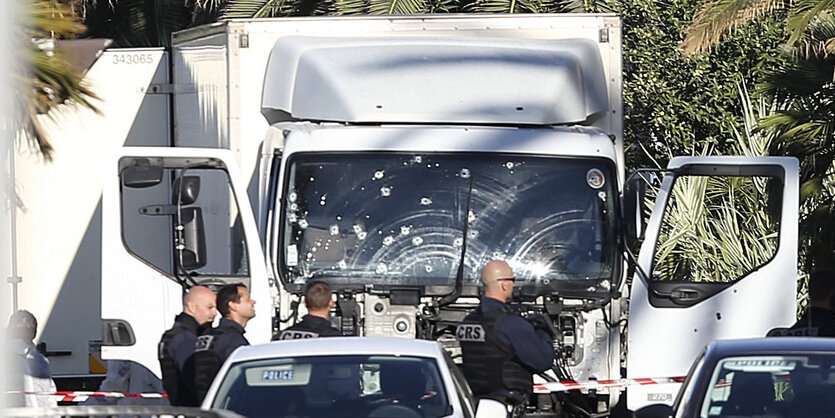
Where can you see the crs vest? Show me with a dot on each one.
(309, 327)
(489, 364)
(206, 359)
(178, 393)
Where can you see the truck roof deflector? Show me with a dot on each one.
(435, 80)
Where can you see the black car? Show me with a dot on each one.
(791, 377)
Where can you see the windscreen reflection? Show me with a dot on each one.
(396, 219)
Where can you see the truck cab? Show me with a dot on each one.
(393, 157)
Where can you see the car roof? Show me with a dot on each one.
(339, 346)
(771, 345)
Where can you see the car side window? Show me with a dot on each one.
(462, 388)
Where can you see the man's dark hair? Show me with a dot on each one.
(821, 284)
(23, 325)
(317, 295)
(228, 293)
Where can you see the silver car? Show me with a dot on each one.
(342, 377)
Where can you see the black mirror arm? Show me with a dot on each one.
(633, 261)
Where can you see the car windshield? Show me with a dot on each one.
(335, 386)
(398, 219)
(772, 386)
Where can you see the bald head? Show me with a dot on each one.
(199, 302)
(496, 277)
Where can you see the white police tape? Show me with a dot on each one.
(548, 387)
(567, 385)
(81, 396)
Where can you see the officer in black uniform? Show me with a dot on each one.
(819, 319)
(318, 300)
(502, 350)
(215, 345)
(177, 346)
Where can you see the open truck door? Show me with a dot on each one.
(173, 218)
(719, 261)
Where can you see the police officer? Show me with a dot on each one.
(26, 368)
(819, 319)
(216, 344)
(318, 300)
(177, 346)
(501, 350)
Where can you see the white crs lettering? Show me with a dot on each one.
(470, 332)
(801, 332)
(296, 335)
(203, 342)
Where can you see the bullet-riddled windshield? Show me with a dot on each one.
(398, 219)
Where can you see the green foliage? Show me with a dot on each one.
(674, 105)
(138, 23)
(806, 130)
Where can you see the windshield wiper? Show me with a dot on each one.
(459, 276)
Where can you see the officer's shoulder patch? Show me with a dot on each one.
(470, 333)
(161, 350)
(296, 335)
(203, 342)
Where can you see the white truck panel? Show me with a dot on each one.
(59, 218)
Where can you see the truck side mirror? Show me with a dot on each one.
(634, 196)
(139, 173)
(192, 243)
(186, 190)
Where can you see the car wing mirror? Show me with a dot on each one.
(488, 408)
(655, 411)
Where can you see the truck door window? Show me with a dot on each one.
(208, 229)
(717, 229)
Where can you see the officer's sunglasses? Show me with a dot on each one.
(509, 279)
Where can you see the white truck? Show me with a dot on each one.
(392, 157)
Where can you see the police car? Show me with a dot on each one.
(342, 377)
(778, 377)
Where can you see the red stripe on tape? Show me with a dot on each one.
(567, 385)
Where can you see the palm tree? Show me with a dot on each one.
(47, 79)
(138, 23)
(806, 129)
(717, 18)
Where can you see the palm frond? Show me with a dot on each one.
(350, 7)
(47, 80)
(397, 7)
(719, 17)
(241, 9)
(803, 14)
